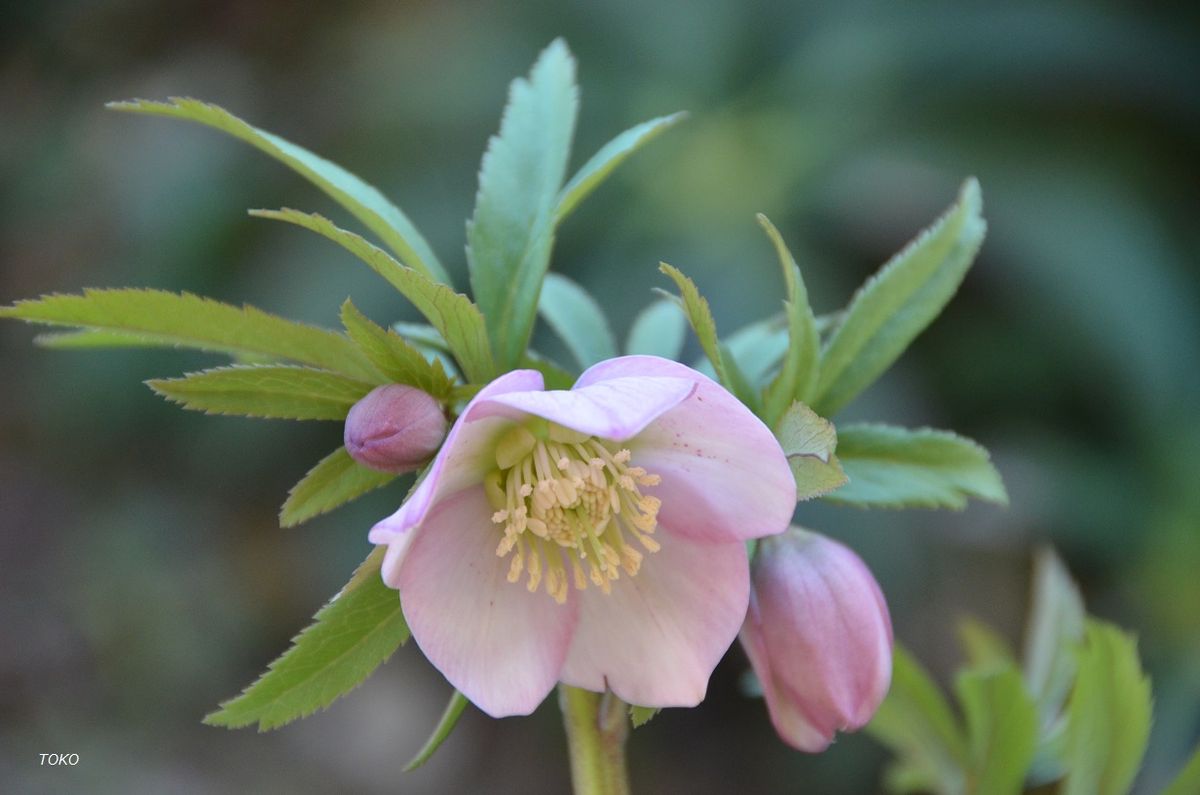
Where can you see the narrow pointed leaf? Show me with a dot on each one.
(609, 156)
(364, 202)
(268, 391)
(1002, 727)
(334, 481)
(917, 724)
(189, 321)
(399, 362)
(445, 726)
(891, 467)
(577, 320)
(898, 302)
(1109, 714)
(658, 330)
(352, 635)
(798, 375)
(512, 231)
(809, 442)
(695, 307)
(452, 314)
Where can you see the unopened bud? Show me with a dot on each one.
(395, 428)
(819, 637)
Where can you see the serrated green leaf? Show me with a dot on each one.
(898, 302)
(452, 314)
(658, 330)
(798, 374)
(605, 161)
(640, 716)
(269, 391)
(891, 467)
(1188, 780)
(1002, 725)
(351, 636)
(577, 320)
(809, 442)
(916, 723)
(89, 340)
(511, 232)
(335, 480)
(189, 321)
(984, 647)
(364, 202)
(399, 362)
(445, 725)
(1108, 714)
(422, 335)
(696, 309)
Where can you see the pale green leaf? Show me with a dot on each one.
(798, 374)
(452, 314)
(1108, 714)
(352, 635)
(658, 330)
(399, 362)
(984, 647)
(269, 391)
(898, 302)
(334, 481)
(758, 348)
(89, 339)
(809, 442)
(695, 307)
(512, 231)
(1054, 630)
(364, 202)
(1188, 780)
(422, 335)
(1002, 726)
(189, 321)
(891, 467)
(640, 716)
(917, 724)
(577, 320)
(609, 156)
(446, 724)
(555, 376)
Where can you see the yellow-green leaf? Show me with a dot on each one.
(335, 480)
(399, 362)
(269, 391)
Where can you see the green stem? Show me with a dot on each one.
(597, 725)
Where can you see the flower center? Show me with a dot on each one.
(570, 501)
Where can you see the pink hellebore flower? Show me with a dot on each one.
(819, 637)
(594, 536)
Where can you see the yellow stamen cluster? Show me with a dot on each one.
(568, 501)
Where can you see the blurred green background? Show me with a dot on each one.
(143, 573)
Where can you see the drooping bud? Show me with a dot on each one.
(819, 637)
(395, 428)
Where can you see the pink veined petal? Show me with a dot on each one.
(502, 646)
(657, 637)
(724, 476)
(462, 461)
(615, 409)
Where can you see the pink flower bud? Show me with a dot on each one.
(395, 428)
(819, 637)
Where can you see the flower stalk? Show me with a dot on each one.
(597, 726)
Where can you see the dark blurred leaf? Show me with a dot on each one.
(334, 481)
(809, 441)
(268, 391)
(577, 319)
(399, 362)
(898, 302)
(798, 375)
(452, 314)
(512, 231)
(160, 318)
(364, 202)
(1002, 727)
(351, 636)
(658, 330)
(609, 156)
(984, 647)
(443, 729)
(891, 467)
(1188, 780)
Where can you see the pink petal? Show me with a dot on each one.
(615, 409)
(463, 460)
(502, 646)
(657, 637)
(724, 476)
